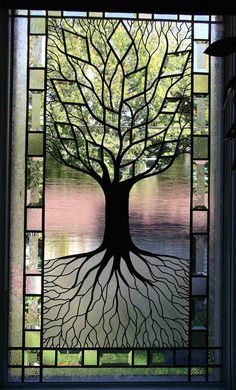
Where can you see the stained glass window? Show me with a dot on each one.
(113, 268)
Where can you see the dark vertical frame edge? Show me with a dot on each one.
(5, 115)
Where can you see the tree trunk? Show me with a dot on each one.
(117, 235)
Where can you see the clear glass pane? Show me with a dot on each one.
(32, 312)
(201, 30)
(69, 358)
(34, 219)
(200, 223)
(200, 185)
(37, 51)
(34, 181)
(201, 60)
(31, 357)
(199, 314)
(200, 254)
(115, 358)
(33, 284)
(36, 79)
(200, 114)
(33, 252)
(36, 111)
(199, 286)
(200, 147)
(198, 338)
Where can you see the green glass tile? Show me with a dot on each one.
(49, 358)
(140, 358)
(35, 144)
(200, 83)
(115, 358)
(36, 79)
(69, 358)
(54, 13)
(200, 147)
(15, 357)
(95, 14)
(90, 357)
(32, 339)
(36, 111)
(157, 358)
(37, 26)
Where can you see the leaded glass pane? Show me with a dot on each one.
(111, 262)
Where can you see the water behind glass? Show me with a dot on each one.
(158, 211)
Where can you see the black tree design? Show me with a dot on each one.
(118, 109)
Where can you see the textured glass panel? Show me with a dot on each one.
(140, 358)
(21, 12)
(214, 357)
(34, 181)
(33, 252)
(200, 185)
(17, 182)
(37, 25)
(35, 144)
(36, 79)
(200, 254)
(201, 30)
(200, 114)
(90, 357)
(32, 312)
(200, 83)
(32, 340)
(200, 147)
(115, 358)
(199, 286)
(69, 358)
(34, 219)
(31, 374)
(49, 358)
(198, 374)
(36, 111)
(14, 375)
(33, 284)
(37, 51)
(201, 60)
(122, 374)
(15, 357)
(200, 221)
(199, 313)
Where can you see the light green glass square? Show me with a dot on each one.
(37, 26)
(90, 357)
(140, 358)
(35, 144)
(32, 339)
(49, 358)
(36, 79)
(200, 83)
